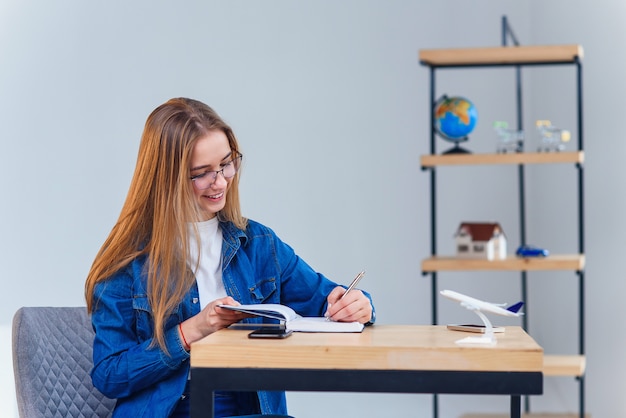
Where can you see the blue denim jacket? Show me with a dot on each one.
(257, 267)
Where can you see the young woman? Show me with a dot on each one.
(179, 249)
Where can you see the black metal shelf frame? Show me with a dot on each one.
(506, 30)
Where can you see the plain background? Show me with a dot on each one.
(330, 105)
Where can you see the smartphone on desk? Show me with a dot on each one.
(270, 332)
(472, 328)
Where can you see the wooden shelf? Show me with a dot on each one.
(531, 415)
(504, 55)
(513, 158)
(553, 365)
(574, 262)
(557, 365)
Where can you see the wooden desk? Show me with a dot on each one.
(383, 358)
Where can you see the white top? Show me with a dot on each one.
(209, 271)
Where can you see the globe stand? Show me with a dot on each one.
(456, 149)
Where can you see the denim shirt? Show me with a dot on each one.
(257, 267)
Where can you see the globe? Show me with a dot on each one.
(455, 119)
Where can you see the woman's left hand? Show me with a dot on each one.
(354, 307)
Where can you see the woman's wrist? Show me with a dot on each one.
(186, 345)
(191, 331)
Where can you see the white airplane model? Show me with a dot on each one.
(479, 306)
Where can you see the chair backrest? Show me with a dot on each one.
(52, 358)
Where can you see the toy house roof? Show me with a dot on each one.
(480, 231)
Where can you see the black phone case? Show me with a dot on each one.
(270, 333)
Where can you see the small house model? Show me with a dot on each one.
(481, 240)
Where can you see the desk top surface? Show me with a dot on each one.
(379, 347)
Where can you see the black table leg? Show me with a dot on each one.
(201, 396)
(516, 406)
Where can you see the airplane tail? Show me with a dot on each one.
(515, 308)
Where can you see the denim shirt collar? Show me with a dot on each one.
(233, 239)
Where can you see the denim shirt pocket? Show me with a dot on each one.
(144, 317)
(265, 291)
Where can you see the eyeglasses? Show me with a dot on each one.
(205, 180)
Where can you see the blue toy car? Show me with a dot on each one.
(531, 251)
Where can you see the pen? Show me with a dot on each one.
(354, 283)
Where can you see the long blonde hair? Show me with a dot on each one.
(159, 204)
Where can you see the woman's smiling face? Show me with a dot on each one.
(211, 154)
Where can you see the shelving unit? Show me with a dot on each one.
(516, 57)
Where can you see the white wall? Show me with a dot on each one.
(331, 108)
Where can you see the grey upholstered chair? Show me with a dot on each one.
(52, 357)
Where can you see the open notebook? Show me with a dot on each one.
(295, 322)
